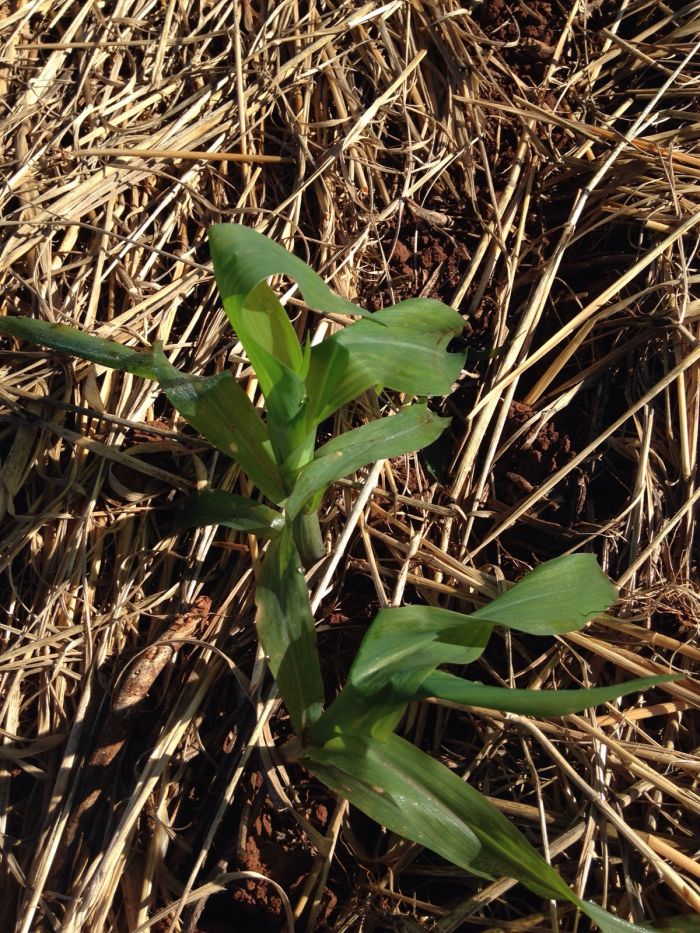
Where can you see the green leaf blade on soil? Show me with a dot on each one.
(217, 507)
(408, 354)
(409, 430)
(608, 923)
(543, 703)
(414, 795)
(417, 797)
(404, 646)
(243, 258)
(401, 648)
(286, 630)
(71, 340)
(221, 411)
(559, 596)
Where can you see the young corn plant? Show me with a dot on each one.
(352, 745)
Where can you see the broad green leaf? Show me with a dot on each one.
(265, 321)
(216, 406)
(401, 648)
(240, 257)
(221, 411)
(286, 631)
(412, 358)
(286, 403)
(409, 430)
(269, 370)
(607, 923)
(267, 334)
(417, 797)
(559, 596)
(409, 354)
(69, 340)
(216, 507)
(528, 702)
(243, 258)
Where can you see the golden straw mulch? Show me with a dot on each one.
(533, 164)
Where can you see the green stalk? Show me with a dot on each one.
(306, 531)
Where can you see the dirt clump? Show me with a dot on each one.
(528, 31)
(543, 450)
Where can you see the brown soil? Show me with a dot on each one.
(426, 259)
(528, 31)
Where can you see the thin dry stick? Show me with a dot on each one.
(553, 480)
(344, 539)
(669, 875)
(188, 155)
(545, 282)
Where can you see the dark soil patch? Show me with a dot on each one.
(539, 451)
(529, 32)
(425, 259)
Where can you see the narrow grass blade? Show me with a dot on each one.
(409, 354)
(559, 596)
(407, 431)
(69, 340)
(528, 702)
(216, 507)
(221, 411)
(286, 631)
(413, 795)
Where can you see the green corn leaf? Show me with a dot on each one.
(243, 258)
(216, 406)
(409, 354)
(216, 507)
(528, 702)
(607, 923)
(286, 631)
(404, 646)
(261, 323)
(409, 430)
(264, 320)
(271, 343)
(559, 596)
(413, 795)
(286, 403)
(221, 411)
(270, 371)
(401, 648)
(69, 340)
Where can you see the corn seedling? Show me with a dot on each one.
(352, 745)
